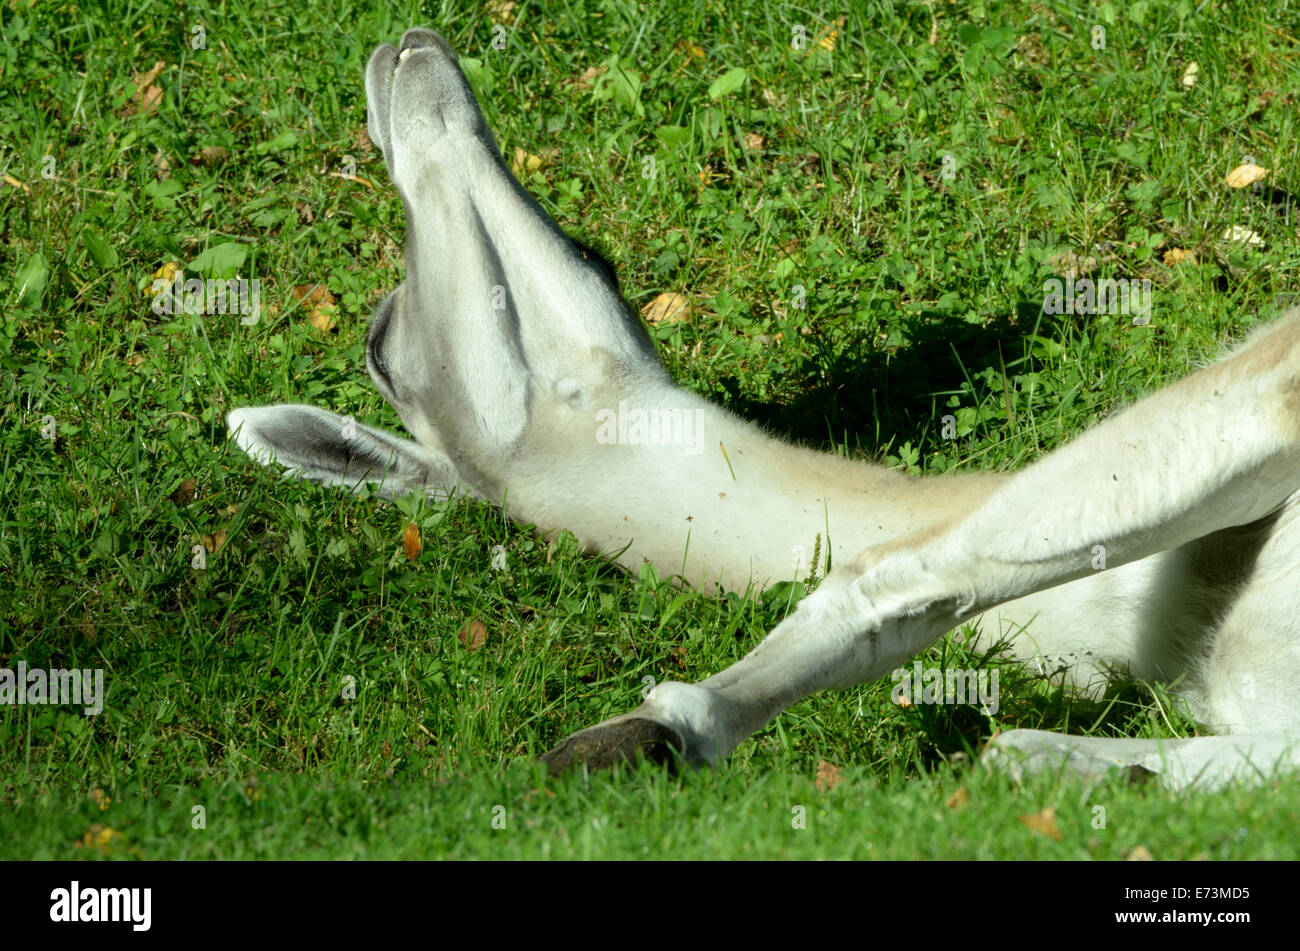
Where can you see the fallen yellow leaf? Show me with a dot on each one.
(826, 40)
(525, 163)
(321, 302)
(690, 50)
(669, 307)
(411, 541)
(1244, 175)
(1043, 822)
(99, 837)
(166, 272)
(500, 11)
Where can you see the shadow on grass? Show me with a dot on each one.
(879, 397)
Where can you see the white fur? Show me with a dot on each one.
(505, 345)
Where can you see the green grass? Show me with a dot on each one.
(847, 291)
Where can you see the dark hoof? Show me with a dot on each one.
(623, 741)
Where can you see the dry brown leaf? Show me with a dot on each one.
(1068, 264)
(313, 294)
(1139, 853)
(754, 141)
(828, 776)
(147, 78)
(147, 103)
(185, 492)
(588, 76)
(669, 307)
(411, 541)
(214, 542)
(210, 156)
(361, 137)
(353, 178)
(473, 634)
(321, 302)
(958, 798)
(1178, 256)
(1043, 822)
(1244, 175)
(147, 95)
(135, 359)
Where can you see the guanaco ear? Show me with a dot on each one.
(337, 450)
